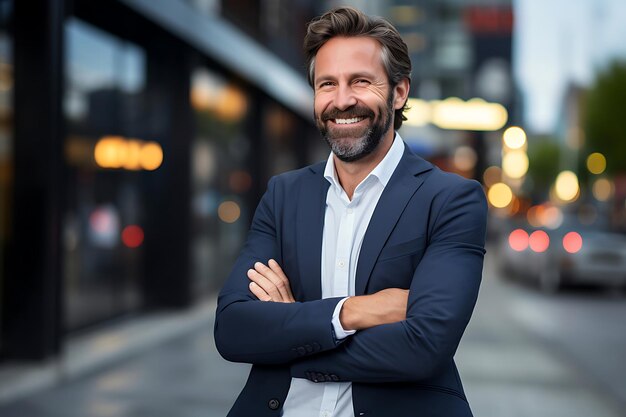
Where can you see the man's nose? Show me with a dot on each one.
(344, 97)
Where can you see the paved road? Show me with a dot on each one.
(529, 354)
(524, 354)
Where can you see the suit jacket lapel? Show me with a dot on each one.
(401, 186)
(310, 227)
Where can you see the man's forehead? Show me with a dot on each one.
(349, 54)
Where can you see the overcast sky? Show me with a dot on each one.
(558, 42)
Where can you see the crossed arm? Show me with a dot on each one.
(403, 336)
(269, 283)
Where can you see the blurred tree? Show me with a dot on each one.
(605, 123)
(543, 154)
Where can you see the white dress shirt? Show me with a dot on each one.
(345, 223)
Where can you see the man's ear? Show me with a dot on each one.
(401, 93)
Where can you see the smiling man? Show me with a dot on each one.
(360, 273)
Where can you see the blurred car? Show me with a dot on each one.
(571, 254)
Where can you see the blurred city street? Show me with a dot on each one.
(137, 138)
(524, 354)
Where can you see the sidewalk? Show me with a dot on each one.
(507, 372)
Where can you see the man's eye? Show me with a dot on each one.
(326, 84)
(362, 81)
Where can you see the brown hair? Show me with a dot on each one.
(347, 21)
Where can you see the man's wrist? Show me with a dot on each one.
(348, 316)
(340, 331)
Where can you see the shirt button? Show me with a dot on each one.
(341, 264)
(350, 211)
(326, 414)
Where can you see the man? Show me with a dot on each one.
(360, 274)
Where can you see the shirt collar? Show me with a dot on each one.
(382, 171)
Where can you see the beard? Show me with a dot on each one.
(352, 144)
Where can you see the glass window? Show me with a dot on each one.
(105, 149)
(221, 179)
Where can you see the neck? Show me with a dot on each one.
(350, 174)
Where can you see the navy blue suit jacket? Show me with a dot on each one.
(426, 234)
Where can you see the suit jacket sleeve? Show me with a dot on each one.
(253, 331)
(443, 291)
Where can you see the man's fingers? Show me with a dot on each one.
(265, 283)
(259, 293)
(275, 267)
(282, 285)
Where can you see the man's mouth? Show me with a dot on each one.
(348, 121)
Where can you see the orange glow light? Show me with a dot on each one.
(539, 241)
(131, 154)
(151, 156)
(518, 240)
(132, 236)
(572, 242)
(229, 212)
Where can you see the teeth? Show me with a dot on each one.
(348, 121)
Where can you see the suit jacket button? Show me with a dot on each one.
(301, 350)
(273, 404)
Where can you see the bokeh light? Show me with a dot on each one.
(456, 114)
(419, 113)
(132, 154)
(133, 151)
(551, 217)
(596, 163)
(539, 241)
(518, 240)
(500, 195)
(515, 164)
(492, 175)
(514, 137)
(566, 186)
(229, 212)
(474, 114)
(151, 156)
(572, 242)
(465, 158)
(132, 236)
(603, 189)
(110, 152)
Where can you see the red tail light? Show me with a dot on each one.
(539, 241)
(518, 240)
(572, 242)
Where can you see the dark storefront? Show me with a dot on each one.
(132, 155)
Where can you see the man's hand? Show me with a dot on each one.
(269, 283)
(365, 311)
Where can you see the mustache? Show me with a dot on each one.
(354, 111)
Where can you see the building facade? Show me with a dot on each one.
(136, 138)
